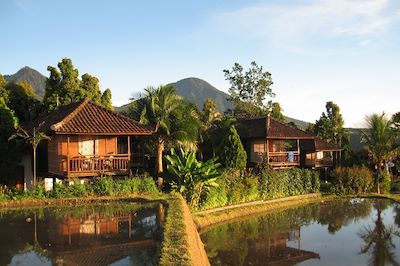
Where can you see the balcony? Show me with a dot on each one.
(285, 159)
(99, 164)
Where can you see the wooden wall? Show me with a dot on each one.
(58, 150)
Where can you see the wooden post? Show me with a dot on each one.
(68, 158)
(267, 151)
(105, 141)
(129, 154)
(298, 151)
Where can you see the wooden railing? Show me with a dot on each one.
(99, 163)
(284, 159)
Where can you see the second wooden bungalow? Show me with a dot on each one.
(268, 140)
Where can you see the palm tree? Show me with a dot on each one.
(175, 121)
(379, 138)
(32, 138)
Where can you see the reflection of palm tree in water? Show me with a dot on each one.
(378, 240)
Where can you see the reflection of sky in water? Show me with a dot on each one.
(343, 247)
(29, 259)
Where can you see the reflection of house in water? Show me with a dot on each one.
(100, 239)
(274, 250)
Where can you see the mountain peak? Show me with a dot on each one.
(34, 77)
(198, 90)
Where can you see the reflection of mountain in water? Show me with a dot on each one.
(95, 235)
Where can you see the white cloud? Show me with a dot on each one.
(297, 26)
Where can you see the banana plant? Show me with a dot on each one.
(190, 177)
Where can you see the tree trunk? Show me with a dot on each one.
(159, 161)
(34, 167)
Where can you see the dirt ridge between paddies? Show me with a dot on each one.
(212, 217)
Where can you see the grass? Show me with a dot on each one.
(174, 249)
(209, 219)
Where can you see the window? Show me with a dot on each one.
(122, 145)
(259, 147)
(87, 145)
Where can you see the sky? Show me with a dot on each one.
(345, 51)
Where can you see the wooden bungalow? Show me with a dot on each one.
(268, 140)
(89, 140)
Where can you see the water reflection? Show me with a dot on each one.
(378, 239)
(328, 233)
(121, 234)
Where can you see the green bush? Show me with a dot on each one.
(352, 180)
(103, 186)
(385, 182)
(233, 187)
(287, 182)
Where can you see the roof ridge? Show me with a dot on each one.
(70, 115)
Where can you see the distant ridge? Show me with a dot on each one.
(35, 78)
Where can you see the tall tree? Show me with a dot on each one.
(63, 86)
(248, 90)
(173, 120)
(106, 101)
(22, 101)
(233, 154)
(90, 87)
(8, 123)
(330, 125)
(276, 111)
(379, 139)
(3, 82)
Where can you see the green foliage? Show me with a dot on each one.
(233, 154)
(104, 186)
(385, 182)
(8, 150)
(64, 86)
(352, 180)
(174, 120)
(189, 177)
(276, 112)
(249, 89)
(288, 182)
(90, 88)
(106, 101)
(233, 187)
(379, 137)
(175, 248)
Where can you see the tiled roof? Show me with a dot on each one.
(257, 128)
(86, 117)
(252, 127)
(278, 129)
(322, 145)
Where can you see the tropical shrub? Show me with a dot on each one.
(352, 180)
(190, 177)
